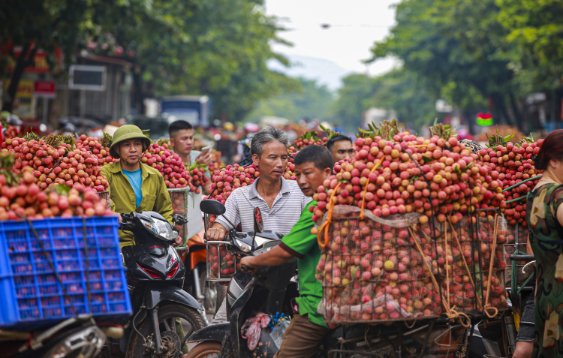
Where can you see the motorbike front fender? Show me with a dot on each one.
(215, 332)
(156, 296)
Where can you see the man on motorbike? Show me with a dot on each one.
(270, 203)
(134, 186)
(313, 165)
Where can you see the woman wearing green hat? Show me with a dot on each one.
(134, 186)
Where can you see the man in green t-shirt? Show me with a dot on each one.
(313, 165)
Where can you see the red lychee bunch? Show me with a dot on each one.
(170, 165)
(97, 146)
(309, 138)
(198, 175)
(434, 177)
(76, 167)
(513, 165)
(225, 180)
(25, 199)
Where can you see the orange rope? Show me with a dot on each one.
(479, 303)
(362, 207)
(489, 310)
(426, 264)
(451, 312)
(323, 240)
(447, 266)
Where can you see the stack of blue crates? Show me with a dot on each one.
(73, 266)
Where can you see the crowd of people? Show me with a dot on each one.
(281, 205)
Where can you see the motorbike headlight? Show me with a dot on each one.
(160, 228)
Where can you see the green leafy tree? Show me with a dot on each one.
(399, 91)
(215, 47)
(32, 25)
(535, 35)
(460, 42)
(536, 30)
(153, 35)
(228, 56)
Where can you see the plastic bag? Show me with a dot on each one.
(252, 328)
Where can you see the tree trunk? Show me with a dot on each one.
(139, 96)
(499, 110)
(556, 110)
(24, 60)
(521, 122)
(470, 118)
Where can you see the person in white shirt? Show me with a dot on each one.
(274, 201)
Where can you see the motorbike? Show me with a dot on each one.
(74, 337)
(271, 291)
(164, 315)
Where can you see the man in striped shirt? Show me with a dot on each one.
(277, 201)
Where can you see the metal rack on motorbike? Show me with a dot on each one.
(186, 203)
(57, 272)
(498, 336)
(520, 265)
(398, 285)
(194, 252)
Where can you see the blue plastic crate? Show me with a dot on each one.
(86, 258)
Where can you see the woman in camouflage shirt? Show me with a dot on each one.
(545, 221)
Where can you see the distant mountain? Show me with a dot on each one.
(323, 71)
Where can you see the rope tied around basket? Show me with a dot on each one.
(464, 319)
(447, 266)
(426, 264)
(451, 312)
(323, 233)
(491, 311)
(456, 239)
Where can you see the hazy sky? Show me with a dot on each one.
(354, 26)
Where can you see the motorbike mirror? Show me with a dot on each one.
(179, 219)
(212, 207)
(127, 216)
